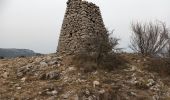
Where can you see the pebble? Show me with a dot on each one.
(144, 59)
(65, 96)
(50, 75)
(150, 82)
(60, 58)
(54, 92)
(38, 59)
(52, 62)
(23, 70)
(23, 79)
(71, 69)
(87, 92)
(48, 58)
(5, 75)
(19, 88)
(44, 64)
(102, 91)
(58, 65)
(96, 83)
(133, 94)
(138, 61)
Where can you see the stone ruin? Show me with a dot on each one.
(82, 23)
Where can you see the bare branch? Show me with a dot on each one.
(149, 38)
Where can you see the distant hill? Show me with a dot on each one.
(11, 53)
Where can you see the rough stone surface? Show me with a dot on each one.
(82, 23)
(26, 79)
(50, 75)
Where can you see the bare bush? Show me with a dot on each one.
(166, 53)
(168, 49)
(100, 52)
(103, 46)
(149, 38)
(159, 65)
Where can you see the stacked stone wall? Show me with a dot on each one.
(82, 23)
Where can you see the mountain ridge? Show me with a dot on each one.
(14, 52)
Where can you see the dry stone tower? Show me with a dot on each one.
(82, 23)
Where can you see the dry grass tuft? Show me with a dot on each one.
(159, 65)
(88, 63)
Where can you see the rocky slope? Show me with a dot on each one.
(50, 77)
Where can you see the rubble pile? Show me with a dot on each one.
(48, 77)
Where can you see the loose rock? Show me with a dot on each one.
(5, 75)
(51, 75)
(43, 64)
(96, 83)
(24, 70)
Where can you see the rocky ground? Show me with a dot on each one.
(50, 77)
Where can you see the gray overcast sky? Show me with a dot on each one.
(35, 24)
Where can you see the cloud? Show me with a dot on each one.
(35, 24)
(2, 4)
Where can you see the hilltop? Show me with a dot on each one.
(52, 77)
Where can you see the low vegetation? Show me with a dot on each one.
(149, 38)
(104, 56)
